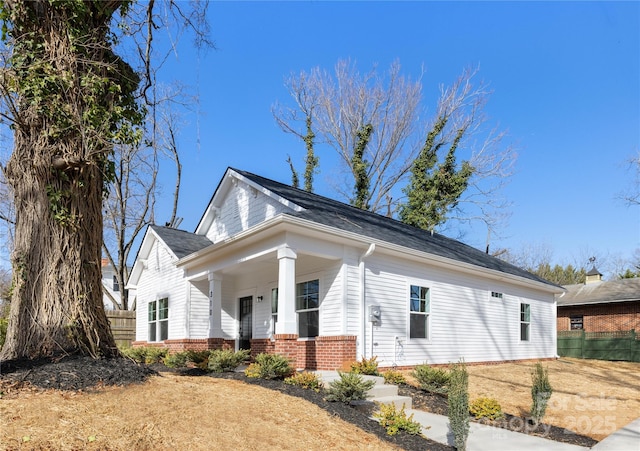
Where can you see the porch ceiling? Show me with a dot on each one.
(269, 262)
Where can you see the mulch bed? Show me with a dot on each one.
(86, 374)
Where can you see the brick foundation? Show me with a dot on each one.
(321, 353)
(191, 344)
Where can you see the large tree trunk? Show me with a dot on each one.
(56, 172)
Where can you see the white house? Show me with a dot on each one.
(277, 269)
(111, 289)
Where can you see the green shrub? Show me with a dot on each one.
(459, 405)
(155, 355)
(227, 360)
(484, 407)
(309, 381)
(431, 379)
(270, 366)
(394, 421)
(394, 377)
(4, 322)
(366, 366)
(176, 360)
(138, 355)
(350, 387)
(198, 357)
(540, 392)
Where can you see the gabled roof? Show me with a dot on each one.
(336, 214)
(181, 242)
(623, 290)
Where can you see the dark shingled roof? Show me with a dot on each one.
(623, 290)
(181, 243)
(332, 213)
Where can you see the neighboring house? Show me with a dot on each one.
(599, 306)
(110, 287)
(277, 269)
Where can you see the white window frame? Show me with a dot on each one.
(427, 313)
(525, 321)
(156, 322)
(274, 310)
(496, 295)
(304, 280)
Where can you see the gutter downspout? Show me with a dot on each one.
(363, 301)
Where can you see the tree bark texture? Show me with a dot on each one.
(56, 171)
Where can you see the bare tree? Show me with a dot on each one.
(632, 195)
(71, 101)
(130, 204)
(342, 103)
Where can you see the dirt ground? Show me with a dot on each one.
(590, 397)
(80, 404)
(172, 412)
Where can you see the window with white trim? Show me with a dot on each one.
(274, 309)
(525, 321)
(308, 308)
(159, 320)
(419, 312)
(497, 295)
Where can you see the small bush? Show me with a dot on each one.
(486, 408)
(350, 387)
(459, 405)
(394, 377)
(431, 379)
(198, 357)
(155, 355)
(394, 421)
(252, 371)
(540, 392)
(309, 381)
(227, 360)
(270, 366)
(176, 360)
(138, 355)
(366, 366)
(4, 322)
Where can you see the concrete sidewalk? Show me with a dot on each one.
(626, 438)
(486, 438)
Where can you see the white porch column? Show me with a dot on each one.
(215, 305)
(287, 319)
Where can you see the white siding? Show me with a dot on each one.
(161, 279)
(243, 208)
(465, 321)
(198, 310)
(332, 293)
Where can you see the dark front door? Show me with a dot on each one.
(245, 322)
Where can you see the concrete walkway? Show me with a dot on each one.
(626, 438)
(489, 438)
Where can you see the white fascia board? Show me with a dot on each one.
(266, 192)
(305, 227)
(405, 252)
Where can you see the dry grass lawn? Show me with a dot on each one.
(591, 397)
(174, 412)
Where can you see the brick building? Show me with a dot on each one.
(600, 306)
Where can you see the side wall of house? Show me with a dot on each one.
(244, 207)
(610, 317)
(465, 321)
(161, 279)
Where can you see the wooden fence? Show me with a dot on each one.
(123, 326)
(599, 345)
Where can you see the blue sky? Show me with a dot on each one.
(565, 79)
